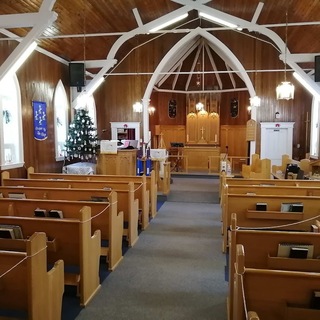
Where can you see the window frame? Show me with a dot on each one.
(20, 156)
(60, 88)
(315, 129)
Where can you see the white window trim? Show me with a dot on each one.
(314, 128)
(21, 163)
(61, 86)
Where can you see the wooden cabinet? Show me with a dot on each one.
(121, 163)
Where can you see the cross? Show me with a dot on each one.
(307, 121)
(202, 131)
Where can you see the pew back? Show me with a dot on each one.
(273, 294)
(247, 215)
(264, 255)
(104, 216)
(28, 287)
(127, 201)
(149, 187)
(73, 243)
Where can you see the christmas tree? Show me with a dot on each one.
(82, 141)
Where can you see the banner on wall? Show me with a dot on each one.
(40, 120)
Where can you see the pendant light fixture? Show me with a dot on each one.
(255, 101)
(285, 90)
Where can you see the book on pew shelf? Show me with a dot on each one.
(10, 231)
(40, 212)
(315, 300)
(99, 199)
(292, 207)
(261, 206)
(55, 214)
(17, 195)
(284, 250)
(298, 252)
(6, 233)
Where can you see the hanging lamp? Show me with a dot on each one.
(285, 90)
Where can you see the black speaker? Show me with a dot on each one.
(76, 74)
(317, 68)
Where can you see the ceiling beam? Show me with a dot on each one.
(214, 67)
(137, 17)
(19, 20)
(43, 20)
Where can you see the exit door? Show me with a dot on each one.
(276, 140)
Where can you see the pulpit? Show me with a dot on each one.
(121, 163)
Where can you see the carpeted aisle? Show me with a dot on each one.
(176, 269)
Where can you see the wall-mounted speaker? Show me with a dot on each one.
(317, 68)
(76, 74)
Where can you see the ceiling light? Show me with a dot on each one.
(255, 101)
(220, 21)
(172, 21)
(199, 106)
(151, 110)
(285, 90)
(137, 107)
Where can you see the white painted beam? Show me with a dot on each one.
(214, 67)
(19, 20)
(299, 57)
(137, 17)
(43, 21)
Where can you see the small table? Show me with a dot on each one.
(80, 168)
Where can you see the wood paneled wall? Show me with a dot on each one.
(114, 99)
(37, 78)
(255, 54)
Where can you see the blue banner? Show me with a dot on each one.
(40, 120)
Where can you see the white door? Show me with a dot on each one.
(276, 140)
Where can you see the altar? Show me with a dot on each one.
(202, 158)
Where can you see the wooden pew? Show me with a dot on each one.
(247, 215)
(147, 193)
(264, 255)
(125, 191)
(269, 190)
(105, 216)
(72, 242)
(25, 284)
(259, 168)
(225, 180)
(273, 294)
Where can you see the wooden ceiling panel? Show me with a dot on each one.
(87, 29)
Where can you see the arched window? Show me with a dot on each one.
(87, 102)
(61, 105)
(315, 130)
(11, 140)
(91, 106)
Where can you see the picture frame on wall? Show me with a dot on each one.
(172, 108)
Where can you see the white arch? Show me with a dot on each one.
(219, 47)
